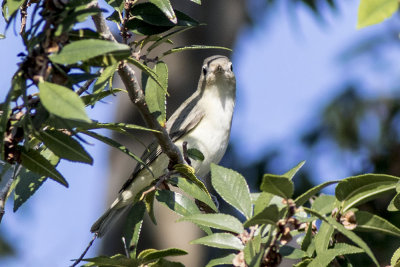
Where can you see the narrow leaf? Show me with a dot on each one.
(262, 202)
(291, 173)
(27, 182)
(324, 204)
(166, 8)
(194, 191)
(118, 127)
(13, 6)
(325, 257)
(218, 221)
(115, 261)
(375, 11)
(311, 192)
(34, 161)
(150, 255)
(155, 95)
(220, 240)
(62, 102)
(179, 204)
(148, 72)
(323, 237)
(65, 146)
(292, 253)
(349, 234)
(232, 187)
(193, 47)
(86, 49)
(368, 222)
(133, 226)
(394, 204)
(277, 185)
(228, 259)
(114, 144)
(395, 258)
(87, 99)
(270, 215)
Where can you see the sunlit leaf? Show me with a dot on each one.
(368, 222)
(217, 221)
(86, 49)
(227, 259)
(193, 47)
(375, 11)
(325, 257)
(311, 192)
(133, 226)
(291, 173)
(220, 240)
(232, 187)
(62, 102)
(152, 254)
(116, 260)
(270, 215)
(155, 95)
(277, 185)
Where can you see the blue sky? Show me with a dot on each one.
(286, 70)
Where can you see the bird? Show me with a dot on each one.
(203, 120)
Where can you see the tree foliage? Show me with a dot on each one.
(65, 69)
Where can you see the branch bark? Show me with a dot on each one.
(136, 95)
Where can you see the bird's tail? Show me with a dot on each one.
(102, 224)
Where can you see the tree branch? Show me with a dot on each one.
(136, 95)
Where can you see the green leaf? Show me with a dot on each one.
(65, 146)
(220, 240)
(118, 127)
(292, 253)
(232, 187)
(194, 191)
(395, 203)
(349, 234)
(90, 48)
(153, 16)
(356, 190)
(277, 185)
(251, 250)
(34, 161)
(375, 11)
(114, 144)
(196, 1)
(87, 99)
(195, 154)
(227, 259)
(148, 72)
(193, 47)
(262, 202)
(166, 8)
(2, 36)
(165, 38)
(62, 102)
(325, 257)
(323, 237)
(217, 221)
(368, 222)
(270, 215)
(104, 79)
(13, 6)
(116, 4)
(179, 204)
(311, 192)
(115, 261)
(152, 254)
(133, 226)
(155, 95)
(27, 182)
(307, 244)
(149, 202)
(324, 204)
(189, 173)
(291, 173)
(395, 258)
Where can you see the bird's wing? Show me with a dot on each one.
(177, 125)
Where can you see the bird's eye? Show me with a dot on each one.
(231, 67)
(204, 70)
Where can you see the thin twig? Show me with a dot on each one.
(85, 87)
(24, 16)
(6, 189)
(162, 179)
(185, 153)
(84, 252)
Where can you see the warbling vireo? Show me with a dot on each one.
(203, 121)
